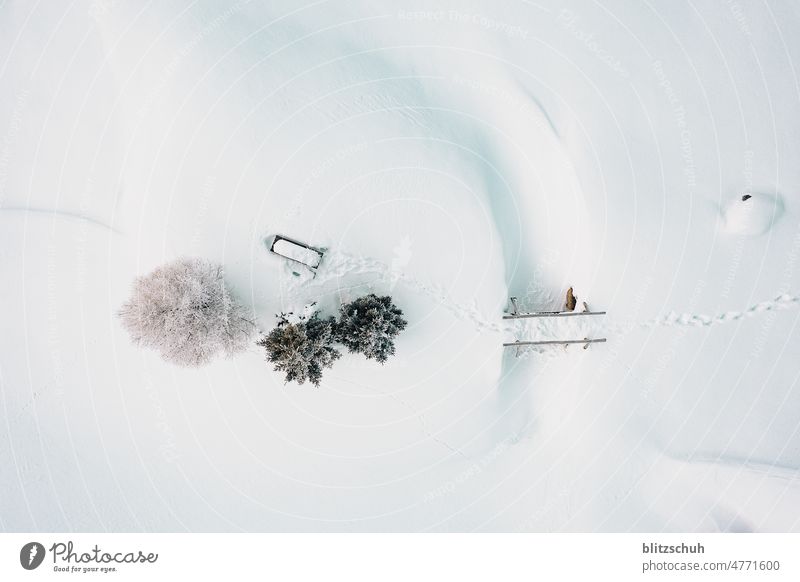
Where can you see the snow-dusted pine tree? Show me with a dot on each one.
(185, 311)
(302, 349)
(369, 325)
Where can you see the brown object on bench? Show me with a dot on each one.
(572, 301)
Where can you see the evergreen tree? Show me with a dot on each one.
(369, 325)
(302, 349)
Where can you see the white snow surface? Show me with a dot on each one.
(451, 156)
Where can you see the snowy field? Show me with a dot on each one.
(451, 154)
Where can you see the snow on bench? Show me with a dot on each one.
(296, 251)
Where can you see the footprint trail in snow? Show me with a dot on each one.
(338, 265)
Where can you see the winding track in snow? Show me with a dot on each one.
(337, 264)
(756, 465)
(783, 301)
(71, 216)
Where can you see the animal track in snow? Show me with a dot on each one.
(783, 301)
(337, 264)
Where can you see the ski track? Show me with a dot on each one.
(70, 216)
(755, 465)
(337, 265)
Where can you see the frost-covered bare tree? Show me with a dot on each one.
(369, 325)
(185, 310)
(303, 348)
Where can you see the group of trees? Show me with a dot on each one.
(304, 348)
(185, 310)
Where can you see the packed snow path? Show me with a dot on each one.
(783, 301)
(338, 265)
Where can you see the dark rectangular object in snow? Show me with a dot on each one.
(296, 251)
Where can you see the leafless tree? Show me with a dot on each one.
(185, 311)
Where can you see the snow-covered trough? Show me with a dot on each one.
(296, 251)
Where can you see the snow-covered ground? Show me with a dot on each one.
(451, 154)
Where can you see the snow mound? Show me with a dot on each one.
(752, 214)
